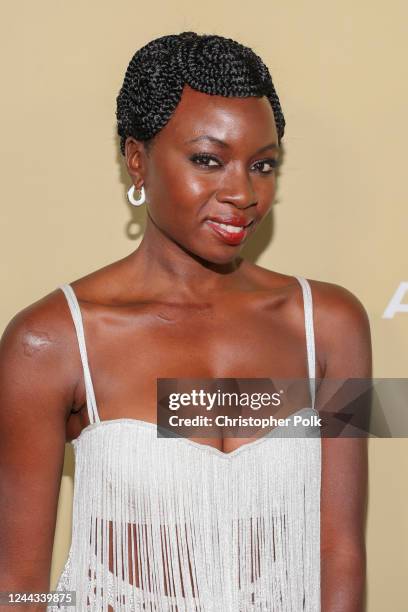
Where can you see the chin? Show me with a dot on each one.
(217, 255)
(228, 255)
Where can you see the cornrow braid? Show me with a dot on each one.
(211, 64)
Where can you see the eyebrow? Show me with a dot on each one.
(222, 143)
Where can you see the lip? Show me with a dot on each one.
(235, 220)
(228, 237)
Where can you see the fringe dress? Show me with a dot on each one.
(173, 525)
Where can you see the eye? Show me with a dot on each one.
(272, 163)
(206, 160)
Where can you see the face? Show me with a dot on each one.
(210, 176)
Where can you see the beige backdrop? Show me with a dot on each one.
(341, 211)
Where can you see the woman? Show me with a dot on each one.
(206, 524)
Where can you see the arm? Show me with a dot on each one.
(345, 339)
(33, 397)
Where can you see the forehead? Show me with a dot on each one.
(230, 119)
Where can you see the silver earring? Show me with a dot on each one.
(138, 201)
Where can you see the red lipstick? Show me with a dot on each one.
(222, 227)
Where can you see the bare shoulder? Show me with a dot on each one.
(337, 305)
(335, 299)
(38, 343)
(41, 337)
(43, 332)
(342, 330)
(331, 299)
(341, 322)
(39, 327)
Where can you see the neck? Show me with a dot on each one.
(179, 272)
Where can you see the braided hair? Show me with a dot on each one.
(211, 64)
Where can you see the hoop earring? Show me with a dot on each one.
(138, 201)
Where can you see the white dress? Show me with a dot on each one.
(169, 524)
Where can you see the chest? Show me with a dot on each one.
(214, 340)
(128, 352)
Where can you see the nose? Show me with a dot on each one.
(237, 189)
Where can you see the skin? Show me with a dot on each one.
(183, 304)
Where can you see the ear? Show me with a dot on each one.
(135, 156)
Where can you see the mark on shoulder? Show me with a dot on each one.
(35, 340)
(36, 327)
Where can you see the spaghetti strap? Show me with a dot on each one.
(79, 328)
(310, 339)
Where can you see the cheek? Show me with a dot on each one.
(178, 195)
(185, 183)
(267, 193)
